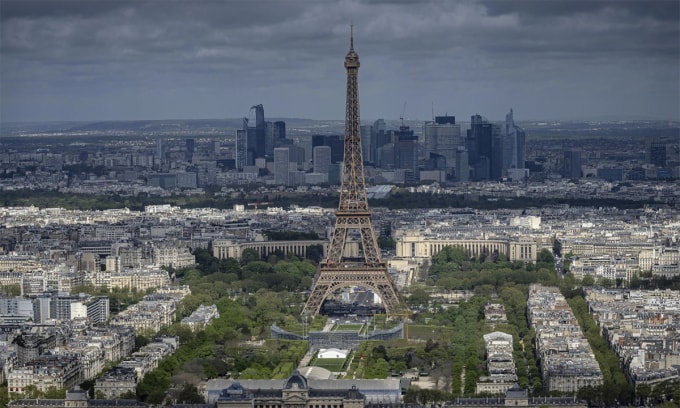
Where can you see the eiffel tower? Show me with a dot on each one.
(336, 271)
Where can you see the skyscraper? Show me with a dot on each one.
(190, 148)
(159, 152)
(281, 165)
(366, 142)
(258, 141)
(571, 167)
(513, 144)
(335, 142)
(479, 145)
(379, 138)
(655, 152)
(322, 159)
(441, 138)
(462, 171)
(406, 153)
(256, 135)
(241, 157)
(269, 137)
(279, 130)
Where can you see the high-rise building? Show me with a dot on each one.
(441, 137)
(462, 170)
(335, 173)
(406, 154)
(379, 138)
(445, 120)
(259, 141)
(279, 130)
(655, 152)
(256, 136)
(513, 145)
(159, 152)
(335, 142)
(571, 167)
(479, 144)
(366, 142)
(296, 155)
(269, 139)
(384, 156)
(496, 165)
(241, 157)
(322, 159)
(190, 148)
(281, 165)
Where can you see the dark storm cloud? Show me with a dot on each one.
(49, 8)
(187, 57)
(534, 9)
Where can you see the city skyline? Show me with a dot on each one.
(106, 60)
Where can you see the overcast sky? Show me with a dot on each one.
(117, 60)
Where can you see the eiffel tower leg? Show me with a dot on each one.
(315, 300)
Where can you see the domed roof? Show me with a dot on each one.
(234, 392)
(296, 381)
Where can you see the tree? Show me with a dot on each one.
(249, 255)
(453, 254)
(156, 398)
(315, 252)
(141, 341)
(255, 269)
(378, 368)
(269, 307)
(55, 393)
(131, 395)
(643, 391)
(546, 257)
(419, 297)
(387, 243)
(32, 392)
(11, 290)
(152, 388)
(190, 395)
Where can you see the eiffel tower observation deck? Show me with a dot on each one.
(369, 271)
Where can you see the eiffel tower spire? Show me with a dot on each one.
(337, 271)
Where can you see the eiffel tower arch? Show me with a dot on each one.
(353, 215)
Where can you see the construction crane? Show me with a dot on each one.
(403, 111)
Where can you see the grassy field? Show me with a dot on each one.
(294, 326)
(331, 364)
(424, 332)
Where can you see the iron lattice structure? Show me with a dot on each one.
(353, 214)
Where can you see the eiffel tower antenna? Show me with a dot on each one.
(351, 37)
(337, 270)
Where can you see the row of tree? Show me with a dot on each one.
(398, 199)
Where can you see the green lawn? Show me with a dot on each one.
(331, 364)
(424, 332)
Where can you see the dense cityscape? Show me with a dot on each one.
(281, 262)
(60, 262)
